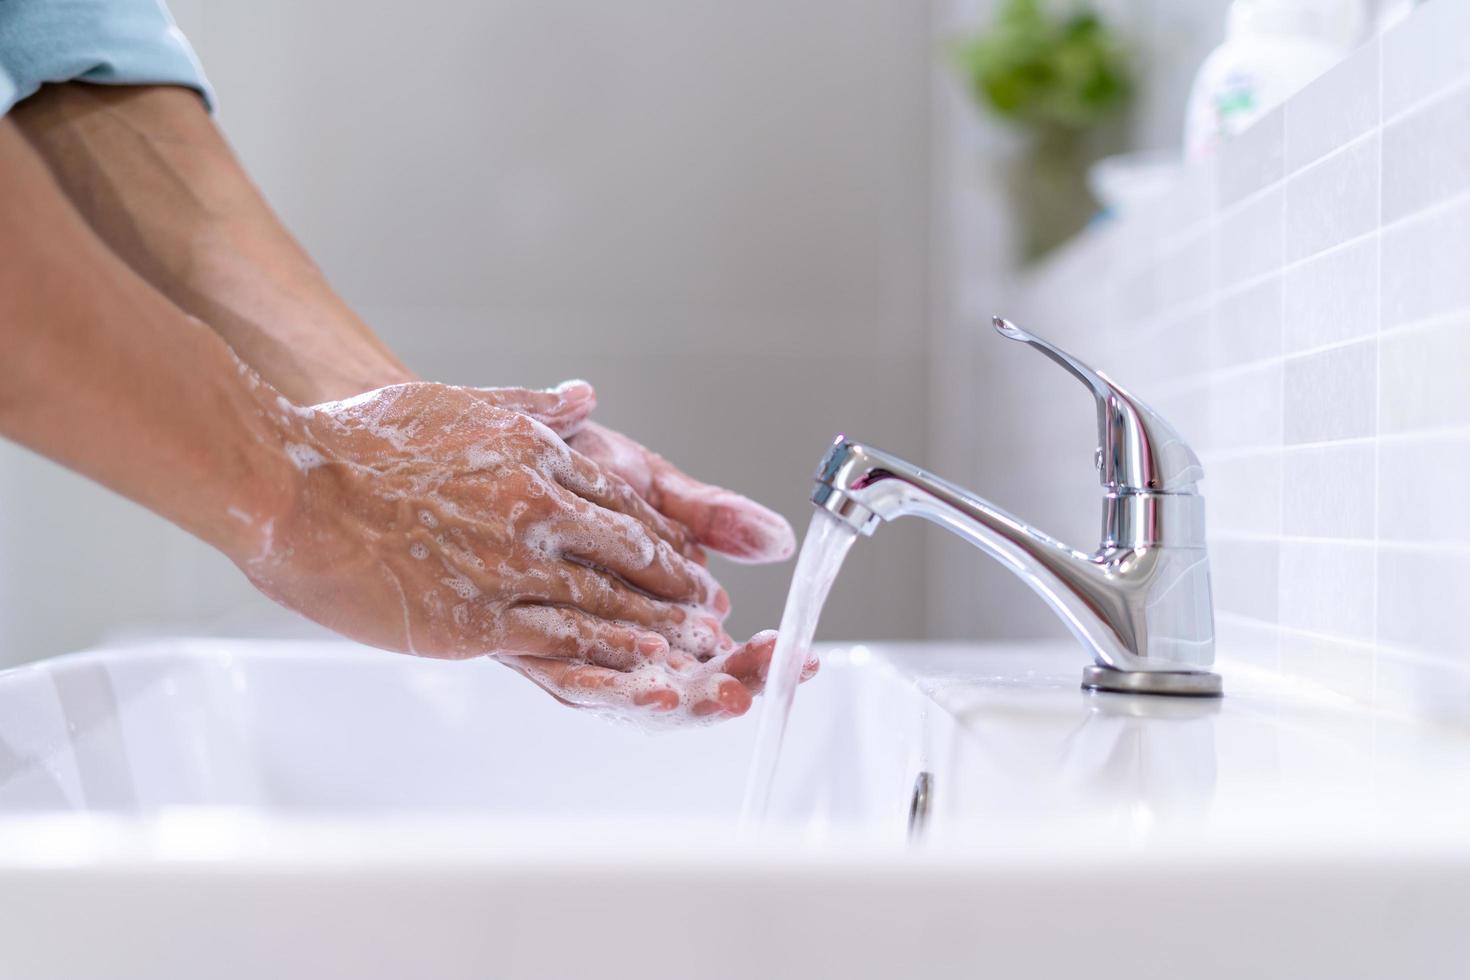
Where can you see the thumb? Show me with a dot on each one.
(562, 409)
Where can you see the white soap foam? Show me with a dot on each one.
(461, 586)
(303, 457)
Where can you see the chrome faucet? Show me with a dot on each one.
(1141, 602)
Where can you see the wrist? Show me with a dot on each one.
(347, 381)
(268, 481)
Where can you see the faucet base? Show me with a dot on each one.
(1175, 683)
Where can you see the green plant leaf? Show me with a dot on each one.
(1045, 69)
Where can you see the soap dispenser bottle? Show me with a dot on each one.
(1272, 48)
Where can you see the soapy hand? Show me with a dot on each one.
(427, 520)
(718, 519)
(676, 691)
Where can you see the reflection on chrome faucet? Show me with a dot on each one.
(1141, 602)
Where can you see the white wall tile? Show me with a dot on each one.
(1136, 296)
(1331, 394)
(1426, 156)
(1182, 344)
(1246, 641)
(1421, 486)
(1424, 377)
(1421, 601)
(1333, 200)
(1327, 588)
(1425, 54)
(1184, 272)
(1244, 576)
(1247, 325)
(1248, 239)
(1328, 491)
(1424, 263)
(1251, 160)
(1331, 297)
(1188, 410)
(1243, 493)
(1335, 109)
(1245, 409)
(1188, 202)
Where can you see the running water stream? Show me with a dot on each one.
(826, 544)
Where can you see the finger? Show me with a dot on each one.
(719, 694)
(735, 526)
(590, 686)
(719, 519)
(562, 409)
(648, 691)
(610, 490)
(623, 545)
(750, 663)
(569, 634)
(687, 628)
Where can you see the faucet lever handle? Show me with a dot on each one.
(1138, 452)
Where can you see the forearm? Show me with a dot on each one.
(104, 375)
(155, 179)
(153, 176)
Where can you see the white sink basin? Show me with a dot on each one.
(291, 729)
(234, 808)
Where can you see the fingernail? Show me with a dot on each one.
(706, 708)
(734, 698)
(722, 602)
(661, 699)
(573, 391)
(651, 645)
(767, 535)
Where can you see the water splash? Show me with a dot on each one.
(822, 551)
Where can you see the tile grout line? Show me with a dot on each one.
(1424, 102)
(1164, 245)
(1401, 654)
(1333, 638)
(1424, 547)
(1184, 383)
(1378, 400)
(1286, 128)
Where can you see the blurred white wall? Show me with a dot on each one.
(715, 212)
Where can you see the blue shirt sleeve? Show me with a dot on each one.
(109, 42)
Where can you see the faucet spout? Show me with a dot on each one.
(1140, 603)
